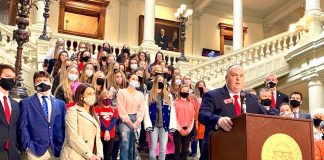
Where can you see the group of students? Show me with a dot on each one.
(98, 106)
(94, 107)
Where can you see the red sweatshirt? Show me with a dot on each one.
(107, 118)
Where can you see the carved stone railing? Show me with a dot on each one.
(8, 51)
(170, 57)
(258, 59)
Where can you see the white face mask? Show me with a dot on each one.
(82, 49)
(73, 77)
(133, 66)
(90, 100)
(177, 81)
(88, 73)
(134, 84)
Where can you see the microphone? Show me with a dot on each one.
(260, 106)
(243, 108)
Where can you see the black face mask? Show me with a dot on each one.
(106, 49)
(167, 76)
(184, 94)
(160, 85)
(271, 84)
(85, 59)
(157, 74)
(7, 83)
(42, 87)
(317, 121)
(126, 50)
(294, 103)
(201, 91)
(140, 78)
(100, 81)
(103, 58)
(266, 102)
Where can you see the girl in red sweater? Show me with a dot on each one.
(108, 117)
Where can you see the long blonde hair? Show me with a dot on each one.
(110, 73)
(152, 97)
(66, 87)
(63, 69)
(83, 77)
(124, 81)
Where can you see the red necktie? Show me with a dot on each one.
(237, 105)
(273, 101)
(7, 113)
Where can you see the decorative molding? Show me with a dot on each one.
(276, 13)
(226, 11)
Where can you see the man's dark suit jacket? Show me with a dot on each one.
(217, 103)
(304, 115)
(164, 40)
(281, 97)
(9, 131)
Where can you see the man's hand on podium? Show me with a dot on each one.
(226, 123)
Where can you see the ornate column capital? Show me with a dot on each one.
(123, 3)
(267, 29)
(197, 15)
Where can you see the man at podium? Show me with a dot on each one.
(220, 105)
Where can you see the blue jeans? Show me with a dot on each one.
(127, 147)
(161, 135)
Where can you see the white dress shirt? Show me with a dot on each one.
(49, 104)
(232, 96)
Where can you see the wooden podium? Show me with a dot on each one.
(263, 137)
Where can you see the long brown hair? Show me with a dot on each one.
(152, 97)
(196, 91)
(79, 98)
(58, 64)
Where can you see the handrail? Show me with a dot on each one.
(226, 56)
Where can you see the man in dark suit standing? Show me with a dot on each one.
(296, 99)
(277, 97)
(9, 115)
(162, 40)
(220, 105)
(42, 122)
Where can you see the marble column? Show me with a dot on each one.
(149, 25)
(313, 12)
(38, 19)
(315, 93)
(237, 24)
(196, 33)
(123, 22)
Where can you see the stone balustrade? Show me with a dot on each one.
(257, 59)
